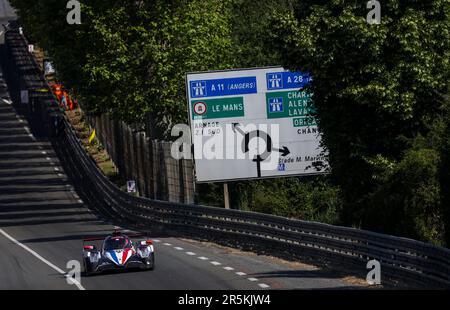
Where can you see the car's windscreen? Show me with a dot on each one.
(116, 243)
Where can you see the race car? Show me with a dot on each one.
(118, 251)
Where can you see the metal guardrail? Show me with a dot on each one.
(408, 260)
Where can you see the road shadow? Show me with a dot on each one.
(33, 207)
(47, 222)
(316, 273)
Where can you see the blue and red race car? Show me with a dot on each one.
(118, 251)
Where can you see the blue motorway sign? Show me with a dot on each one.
(223, 87)
(287, 80)
(276, 105)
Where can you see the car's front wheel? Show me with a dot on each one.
(87, 268)
(150, 262)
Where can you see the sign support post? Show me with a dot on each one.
(226, 196)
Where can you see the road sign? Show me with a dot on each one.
(253, 123)
(200, 108)
(287, 80)
(24, 97)
(222, 87)
(48, 67)
(218, 108)
(131, 186)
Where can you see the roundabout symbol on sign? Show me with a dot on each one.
(259, 134)
(200, 108)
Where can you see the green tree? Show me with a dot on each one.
(130, 58)
(377, 89)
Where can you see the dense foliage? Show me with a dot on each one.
(381, 91)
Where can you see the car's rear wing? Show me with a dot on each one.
(93, 239)
(101, 238)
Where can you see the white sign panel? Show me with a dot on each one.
(253, 123)
(24, 98)
(131, 186)
(48, 67)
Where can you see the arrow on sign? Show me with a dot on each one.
(284, 151)
(236, 128)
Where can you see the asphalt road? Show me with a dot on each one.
(6, 13)
(43, 220)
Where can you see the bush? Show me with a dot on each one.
(310, 199)
(408, 202)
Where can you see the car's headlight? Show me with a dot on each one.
(144, 252)
(93, 257)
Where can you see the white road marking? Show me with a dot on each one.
(156, 240)
(44, 152)
(228, 268)
(168, 244)
(178, 248)
(80, 201)
(7, 101)
(56, 268)
(56, 169)
(29, 133)
(48, 158)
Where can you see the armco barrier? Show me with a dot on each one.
(404, 259)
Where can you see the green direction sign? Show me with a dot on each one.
(305, 121)
(285, 104)
(217, 108)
